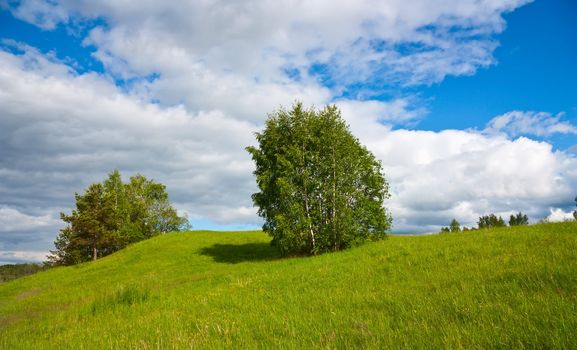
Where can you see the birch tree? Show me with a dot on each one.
(320, 189)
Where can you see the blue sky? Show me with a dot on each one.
(535, 70)
(470, 105)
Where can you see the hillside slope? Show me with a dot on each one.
(507, 288)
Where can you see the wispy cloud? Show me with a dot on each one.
(516, 123)
(19, 256)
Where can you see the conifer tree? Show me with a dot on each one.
(112, 214)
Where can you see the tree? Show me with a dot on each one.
(455, 226)
(519, 219)
(490, 221)
(320, 189)
(110, 215)
(575, 211)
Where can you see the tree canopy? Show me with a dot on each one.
(112, 214)
(320, 189)
(490, 221)
(518, 219)
(455, 226)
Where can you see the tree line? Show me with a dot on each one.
(489, 221)
(12, 271)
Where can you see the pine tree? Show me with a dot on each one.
(110, 215)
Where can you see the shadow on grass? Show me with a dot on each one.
(237, 253)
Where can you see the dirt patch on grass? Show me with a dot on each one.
(28, 293)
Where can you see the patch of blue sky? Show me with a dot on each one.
(127, 84)
(324, 73)
(292, 73)
(535, 70)
(204, 224)
(64, 42)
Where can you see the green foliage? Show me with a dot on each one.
(320, 189)
(519, 219)
(504, 289)
(575, 211)
(445, 230)
(455, 226)
(111, 215)
(490, 221)
(12, 271)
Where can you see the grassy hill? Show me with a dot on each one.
(506, 288)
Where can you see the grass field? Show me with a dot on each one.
(505, 288)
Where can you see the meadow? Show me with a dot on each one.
(513, 287)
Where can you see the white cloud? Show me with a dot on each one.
(62, 132)
(559, 215)
(12, 220)
(220, 48)
(44, 14)
(517, 123)
(19, 256)
(437, 176)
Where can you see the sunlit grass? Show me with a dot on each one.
(506, 288)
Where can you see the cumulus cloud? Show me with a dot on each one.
(559, 215)
(224, 44)
(517, 123)
(437, 176)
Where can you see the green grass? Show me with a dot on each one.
(506, 288)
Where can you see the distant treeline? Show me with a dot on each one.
(492, 220)
(10, 272)
(489, 221)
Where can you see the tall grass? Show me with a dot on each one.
(504, 288)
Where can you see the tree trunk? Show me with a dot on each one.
(311, 232)
(94, 252)
(334, 213)
(306, 200)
